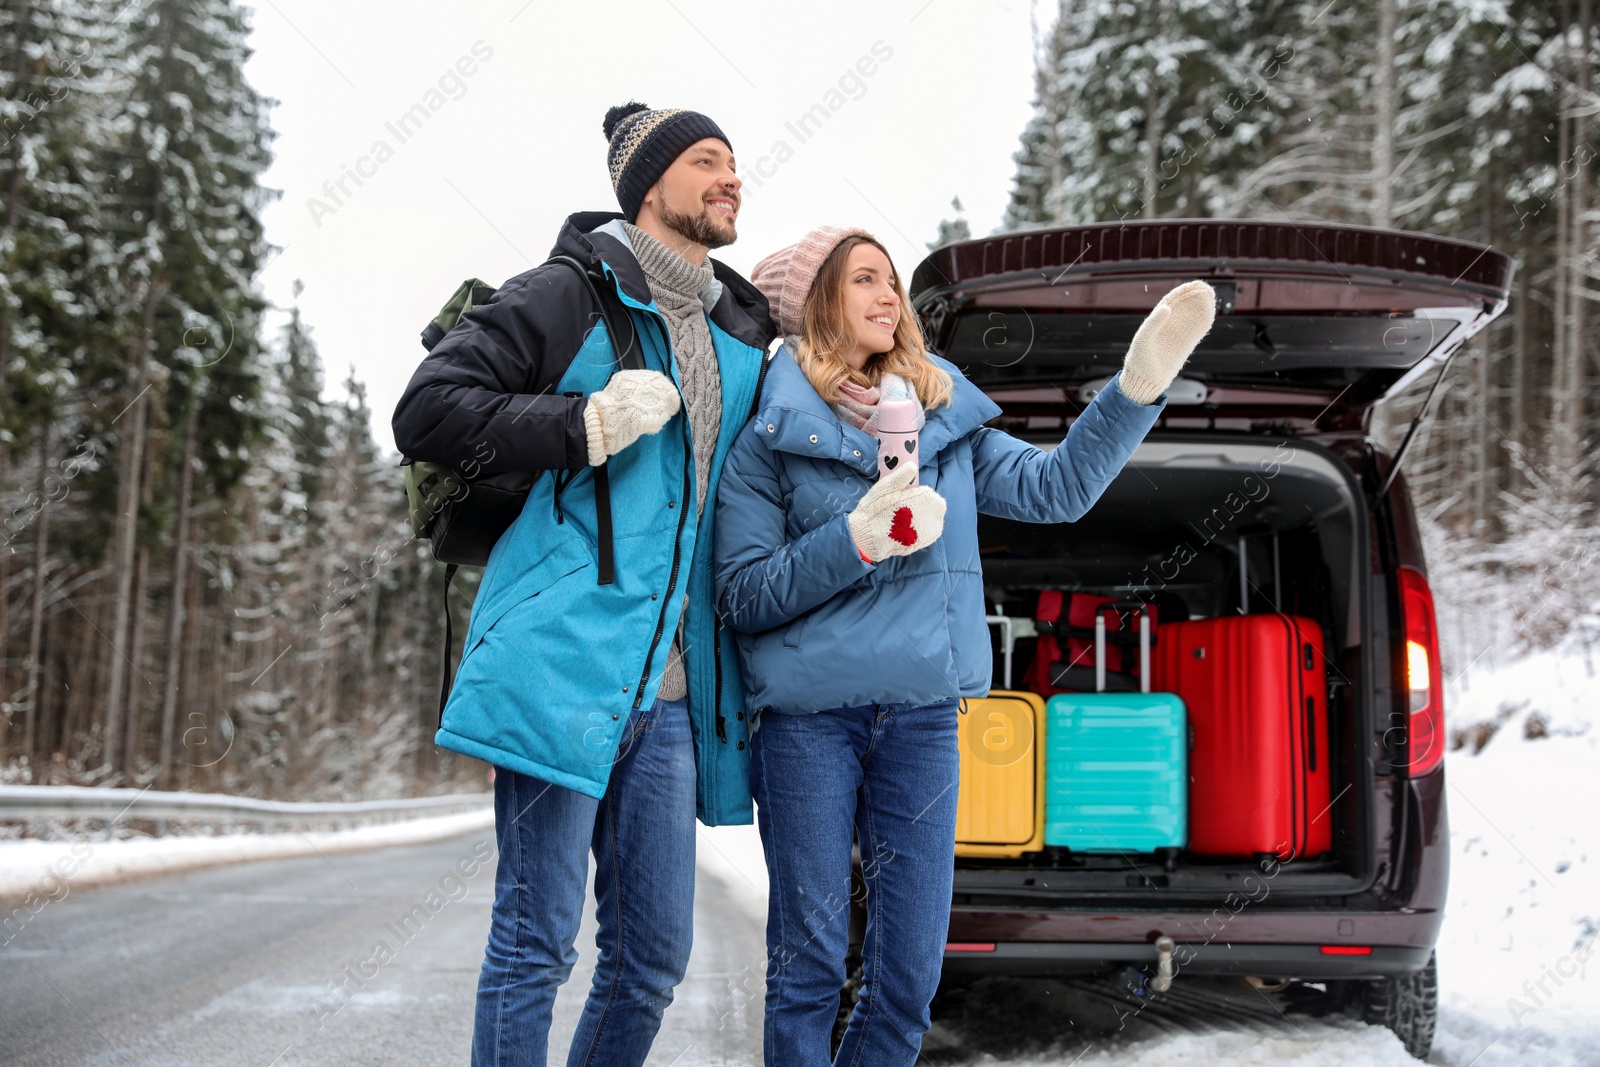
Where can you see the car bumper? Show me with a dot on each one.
(1310, 945)
(1058, 959)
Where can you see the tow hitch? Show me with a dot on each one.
(1163, 979)
(1140, 985)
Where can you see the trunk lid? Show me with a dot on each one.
(1315, 322)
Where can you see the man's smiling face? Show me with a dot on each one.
(698, 196)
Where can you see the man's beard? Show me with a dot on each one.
(701, 229)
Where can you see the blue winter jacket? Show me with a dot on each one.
(554, 662)
(820, 628)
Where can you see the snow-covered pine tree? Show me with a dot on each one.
(1141, 111)
(275, 555)
(1481, 154)
(308, 418)
(54, 267)
(191, 142)
(370, 737)
(1491, 111)
(243, 538)
(1448, 116)
(952, 230)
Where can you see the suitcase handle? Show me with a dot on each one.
(1100, 643)
(1007, 639)
(1311, 732)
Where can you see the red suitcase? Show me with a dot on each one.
(1256, 689)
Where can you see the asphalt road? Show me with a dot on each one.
(324, 961)
(278, 964)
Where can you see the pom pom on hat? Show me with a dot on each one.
(620, 112)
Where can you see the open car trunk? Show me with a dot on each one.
(1169, 532)
(1316, 323)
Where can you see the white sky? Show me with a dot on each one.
(482, 189)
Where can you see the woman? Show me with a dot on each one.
(859, 615)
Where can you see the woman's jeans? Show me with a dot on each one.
(642, 836)
(887, 773)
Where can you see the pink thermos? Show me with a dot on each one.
(897, 435)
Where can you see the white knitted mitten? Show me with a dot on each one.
(632, 404)
(1165, 339)
(895, 518)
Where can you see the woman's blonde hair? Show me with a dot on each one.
(825, 337)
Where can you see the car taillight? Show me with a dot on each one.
(1424, 680)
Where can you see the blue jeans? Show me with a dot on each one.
(642, 836)
(888, 773)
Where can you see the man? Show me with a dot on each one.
(613, 710)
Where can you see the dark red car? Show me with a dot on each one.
(1315, 325)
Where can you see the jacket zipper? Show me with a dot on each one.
(677, 544)
(716, 655)
(666, 601)
(716, 620)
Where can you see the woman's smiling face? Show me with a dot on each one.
(871, 302)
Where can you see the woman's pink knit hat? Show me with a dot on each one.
(785, 277)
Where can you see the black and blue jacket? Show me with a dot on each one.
(554, 662)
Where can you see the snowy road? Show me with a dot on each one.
(325, 960)
(315, 961)
(329, 960)
(277, 963)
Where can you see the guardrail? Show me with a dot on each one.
(35, 803)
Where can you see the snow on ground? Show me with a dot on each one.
(1303, 1044)
(1515, 956)
(1524, 908)
(733, 854)
(48, 870)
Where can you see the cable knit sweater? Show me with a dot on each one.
(676, 285)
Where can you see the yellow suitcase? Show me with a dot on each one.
(1000, 807)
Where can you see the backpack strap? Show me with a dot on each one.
(624, 341)
(449, 642)
(613, 314)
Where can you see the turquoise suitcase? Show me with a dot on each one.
(1116, 766)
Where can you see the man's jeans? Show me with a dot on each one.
(889, 773)
(642, 835)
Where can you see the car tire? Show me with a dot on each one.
(1408, 1005)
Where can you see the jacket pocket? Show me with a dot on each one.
(793, 632)
(568, 558)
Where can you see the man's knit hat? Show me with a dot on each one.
(785, 277)
(643, 145)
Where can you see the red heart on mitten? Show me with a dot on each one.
(900, 528)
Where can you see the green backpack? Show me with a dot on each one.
(462, 513)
